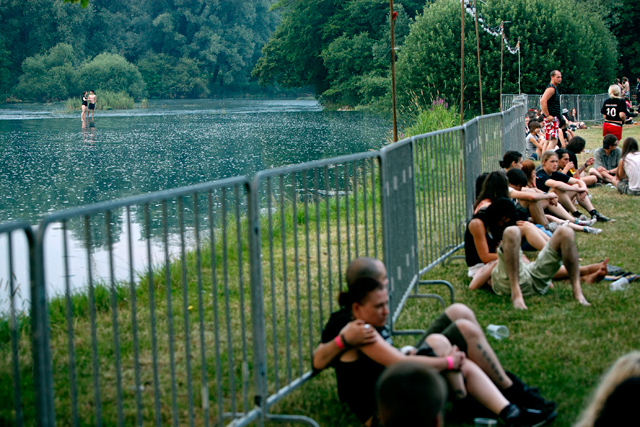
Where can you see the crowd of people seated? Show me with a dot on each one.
(520, 207)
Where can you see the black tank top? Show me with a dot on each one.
(471, 253)
(553, 104)
(84, 101)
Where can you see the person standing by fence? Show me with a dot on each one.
(614, 111)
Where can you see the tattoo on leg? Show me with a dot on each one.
(490, 362)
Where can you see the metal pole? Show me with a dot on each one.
(462, 66)
(393, 71)
(475, 14)
(501, 58)
(519, 90)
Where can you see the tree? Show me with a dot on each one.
(341, 48)
(167, 77)
(553, 35)
(48, 77)
(113, 73)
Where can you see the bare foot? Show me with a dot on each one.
(582, 300)
(595, 277)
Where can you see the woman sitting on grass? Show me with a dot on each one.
(613, 403)
(629, 168)
(359, 367)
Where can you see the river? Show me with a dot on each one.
(49, 162)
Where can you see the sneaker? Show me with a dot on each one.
(552, 226)
(516, 417)
(599, 217)
(610, 185)
(587, 223)
(592, 230)
(581, 217)
(527, 397)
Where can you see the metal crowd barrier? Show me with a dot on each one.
(587, 106)
(202, 305)
(314, 219)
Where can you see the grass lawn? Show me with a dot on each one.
(556, 344)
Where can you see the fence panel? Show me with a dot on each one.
(17, 364)
(150, 308)
(400, 226)
(587, 106)
(314, 219)
(440, 194)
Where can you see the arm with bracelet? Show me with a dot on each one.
(355, 334)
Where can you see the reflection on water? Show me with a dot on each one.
(49, 162)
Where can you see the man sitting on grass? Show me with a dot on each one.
(606, 159)
(493, 241)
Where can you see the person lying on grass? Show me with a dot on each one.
(455, 345)
(492, 247)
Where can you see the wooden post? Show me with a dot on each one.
(479, 67)
(393, 72)
(462, 66)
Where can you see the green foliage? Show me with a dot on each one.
(553, 35)
(106, 101)
(169, 77)
(625, 15)
(339, 48)
(217, 41)
(438, 116)
(113, 73)
(5, 73)
(47, 77)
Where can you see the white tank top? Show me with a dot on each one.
(632, 169)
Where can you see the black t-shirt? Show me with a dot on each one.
(542, 177)
(357, 379)
(470, 251)
(612, 108)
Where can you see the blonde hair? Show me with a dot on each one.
(625, 367)
(547, 155)
(614, 91)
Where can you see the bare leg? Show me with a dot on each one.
(564, 198)
(563, 241)
(561, 212)
(584, 202)
(536, 211)
(441, 347)
(482, 389)
(591, 273)
(536, 237)
(589, 180)
(478, 348)
(511, 239)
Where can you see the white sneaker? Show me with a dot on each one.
(587, 223)
(552, 226)
(592, 230)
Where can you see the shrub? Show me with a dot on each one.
(106, 101)
(48, 77)
(438, 116)
(109, 72)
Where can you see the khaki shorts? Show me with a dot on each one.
(534, 277)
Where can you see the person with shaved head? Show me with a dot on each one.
(357, 343)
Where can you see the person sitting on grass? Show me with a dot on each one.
(557, 210)
(511, 159)
(534, 141)
(549, 179)
(455, 345)
(606, 159)
(518, 190)
(568, 167)
(628, 173)
(496, 186)
(613, 402)
(495, 243)
(411, 394)
(574, 147)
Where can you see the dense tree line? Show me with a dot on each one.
(341, 48)
(49, 48)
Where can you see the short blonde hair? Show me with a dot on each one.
(614, 91)
(625, 367)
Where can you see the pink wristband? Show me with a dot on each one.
(340, 344)
(449, 363)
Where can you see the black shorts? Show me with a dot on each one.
(92, 106)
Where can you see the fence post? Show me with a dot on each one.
(469, 136)
(257, 301)
(42, 368)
